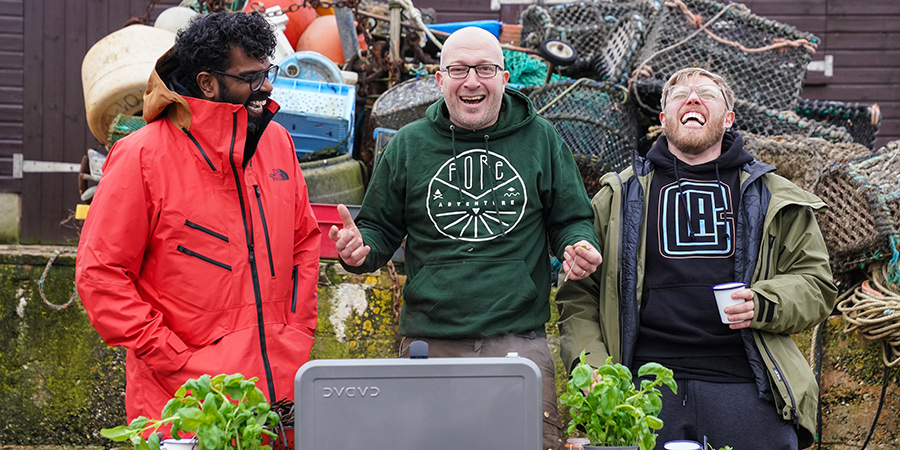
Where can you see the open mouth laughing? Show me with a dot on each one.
(693, 119)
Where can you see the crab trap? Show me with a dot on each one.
(763, 60)
(595, 121)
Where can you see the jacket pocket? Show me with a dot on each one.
(203, 258)
(294, 289)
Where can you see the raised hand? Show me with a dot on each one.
(347, 240)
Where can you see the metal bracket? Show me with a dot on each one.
(22, 166)
(826, 65)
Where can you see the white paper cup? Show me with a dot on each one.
(723, 297)
(179, 444)
(682, 445)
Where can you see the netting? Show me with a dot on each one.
(863, 219)
(763, 60)
(405, 102)
(861, 121)
(122, 126)
(800, 159)
(525, 70)
(606, 34)
(595, 121)
(757, 119)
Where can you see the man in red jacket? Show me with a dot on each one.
(200, 251)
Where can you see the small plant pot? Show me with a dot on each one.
(603, 447)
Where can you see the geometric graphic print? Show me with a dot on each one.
(710, 215)
(476, 196)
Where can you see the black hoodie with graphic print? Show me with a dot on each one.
(690, 248)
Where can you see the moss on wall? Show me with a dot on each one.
(60, 383)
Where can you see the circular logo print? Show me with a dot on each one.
(476, 196)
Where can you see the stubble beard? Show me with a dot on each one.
(690, 142)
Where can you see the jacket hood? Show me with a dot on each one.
(159, 97)
(516, 111)
(733, 155)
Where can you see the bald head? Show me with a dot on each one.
(467, 40)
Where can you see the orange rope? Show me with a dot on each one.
(778, 43)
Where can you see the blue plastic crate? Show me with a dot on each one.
(316, 114)
(493, 26)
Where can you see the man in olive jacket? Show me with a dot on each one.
(696, 212)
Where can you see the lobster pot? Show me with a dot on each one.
(595, 121)
(772, 78)
(862, 220)
(861, 121)
(607, 35)
(757, 119)
(801, 159)
(405, 102)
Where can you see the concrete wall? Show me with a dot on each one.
(60, 383)
(9, 218)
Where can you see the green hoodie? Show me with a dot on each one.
(480, 210)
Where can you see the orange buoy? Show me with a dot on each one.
(297, 20)
(322, 36)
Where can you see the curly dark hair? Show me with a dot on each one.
(206, 44)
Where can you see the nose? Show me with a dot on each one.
(471, 78)
(693, 97)
(266, 86)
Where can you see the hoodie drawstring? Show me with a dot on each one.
(681, 195)
(494, 190)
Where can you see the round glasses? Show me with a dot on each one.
(257, 79)
(706, 92)
(462, 70)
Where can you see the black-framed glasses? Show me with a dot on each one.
(482, 70)
(256, 80)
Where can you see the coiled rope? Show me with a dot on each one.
(873, 308)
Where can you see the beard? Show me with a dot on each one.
(255, 124)
(692, 141)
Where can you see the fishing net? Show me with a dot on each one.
(801, 159)
(763, 60)
(607, 35)
(595, 121)
(861, 121)
(405, 102)
(122, 126)
(862, 222)
(757, 119)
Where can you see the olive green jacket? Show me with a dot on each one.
(779, 248)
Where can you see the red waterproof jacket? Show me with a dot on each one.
(194, 263)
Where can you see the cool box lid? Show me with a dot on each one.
(418, 403)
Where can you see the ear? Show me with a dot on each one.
(439, 76)
(729, 119)
(662, 119)
(208, 84)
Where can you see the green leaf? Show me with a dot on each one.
(120, 433)
(153, 441)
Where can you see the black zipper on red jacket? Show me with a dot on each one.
(197, 144)
(254, 273)
(203, 257)
(262, 218)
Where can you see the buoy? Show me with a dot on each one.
(298, 20)
(115, 71)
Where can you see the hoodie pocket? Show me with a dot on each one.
(470, 298)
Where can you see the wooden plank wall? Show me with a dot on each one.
(53, 36)
(11, 89)
(863, 37)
